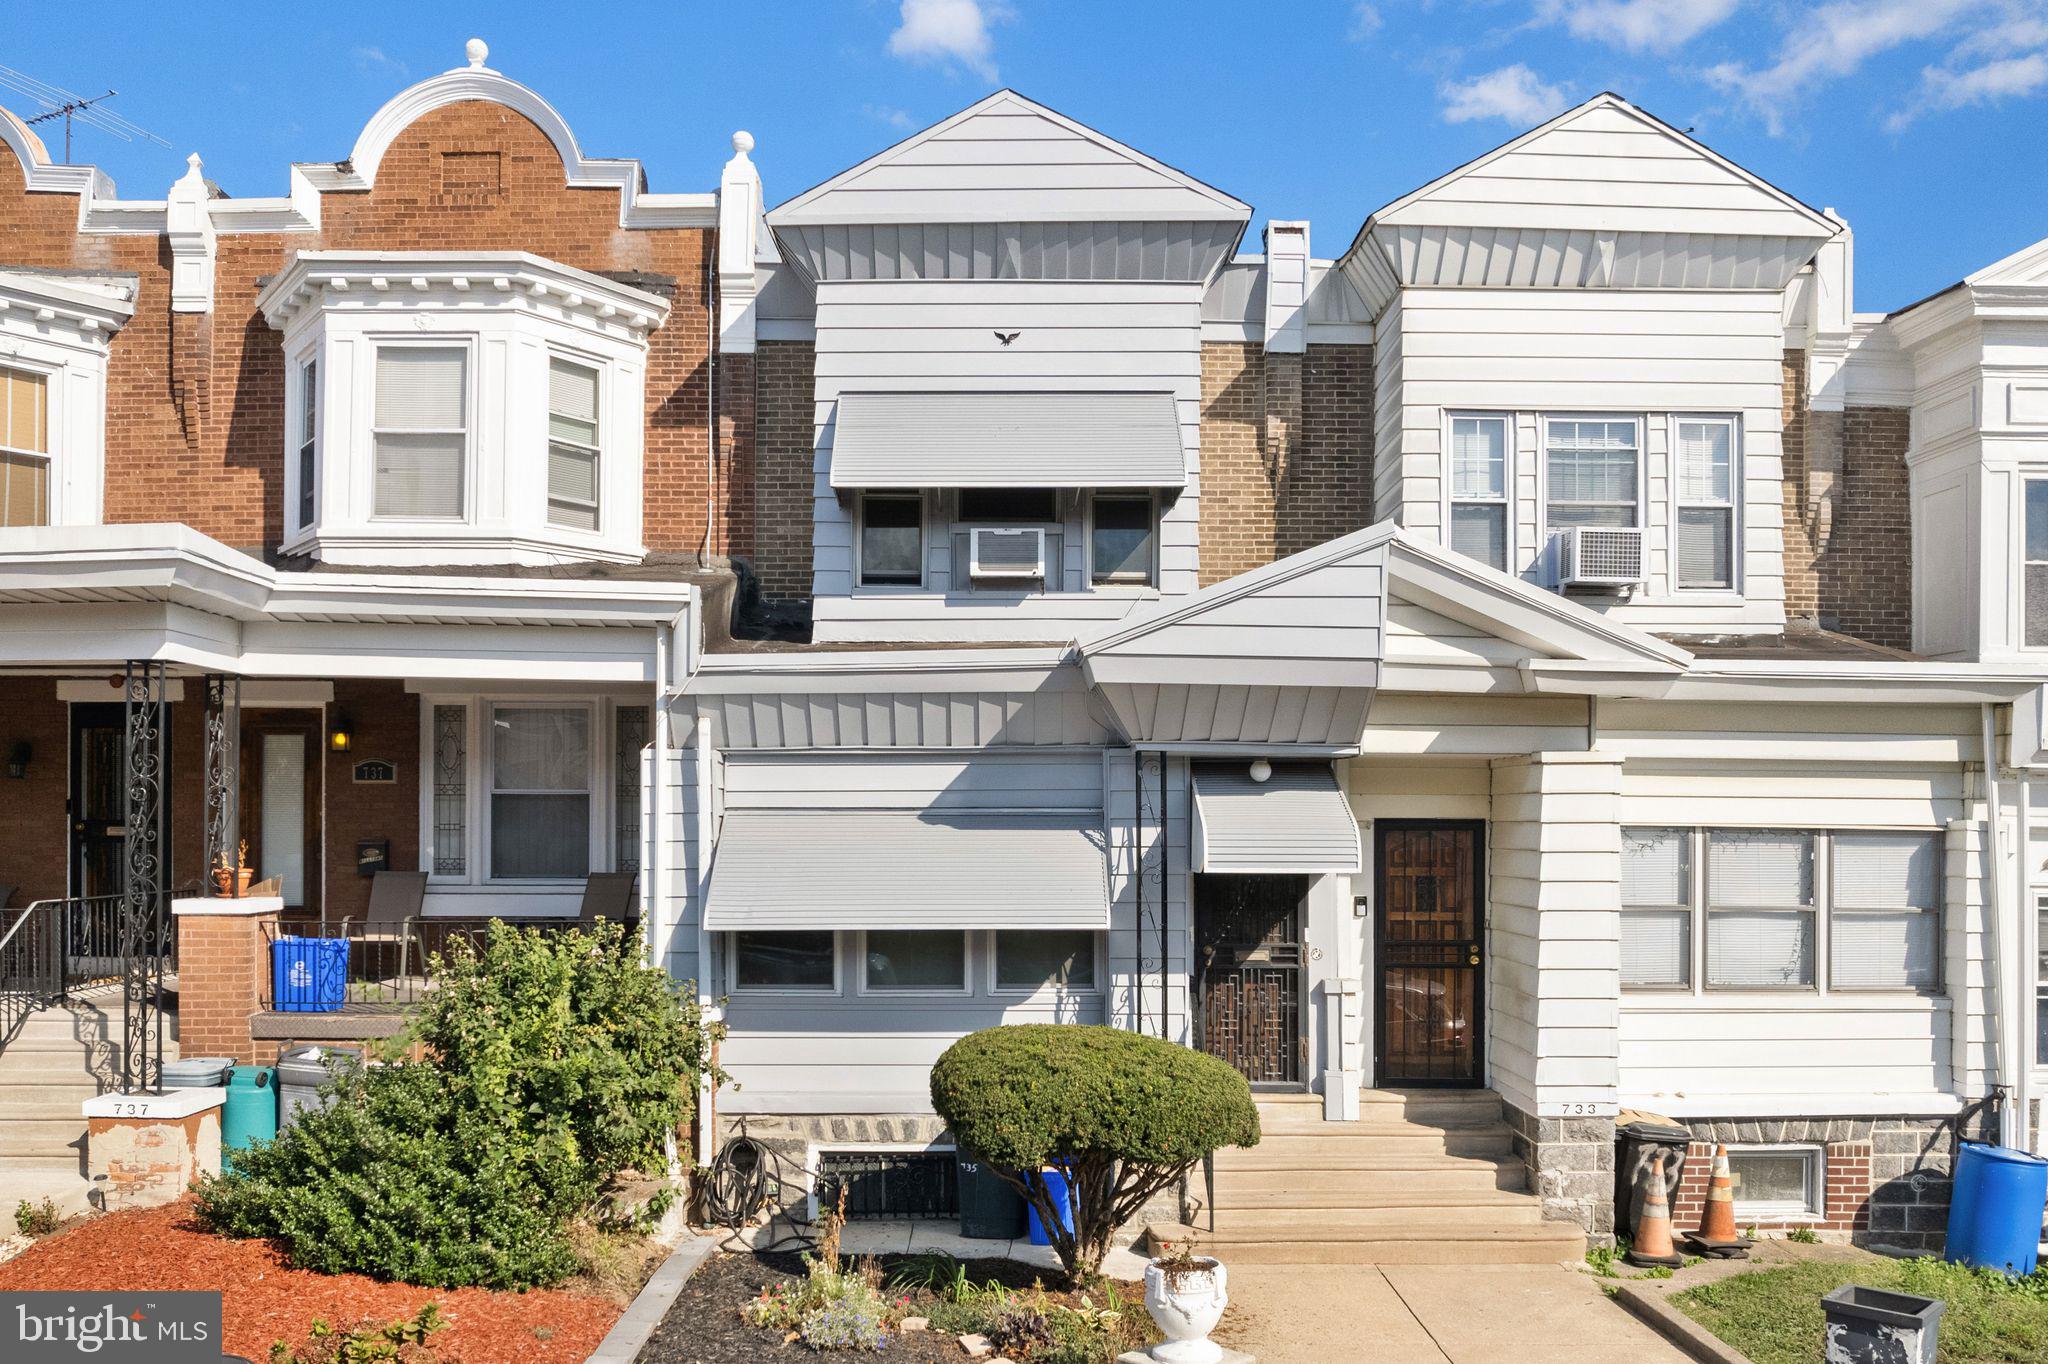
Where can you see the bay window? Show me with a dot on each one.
(1703, 536)
(572, 445)
(1763, 908)
(1120, 538)
(1480, 479)
(420, 440)
(2034, 551)
(24, 448)
(1592, 472)
(891, 539)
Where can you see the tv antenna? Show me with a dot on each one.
(58, 102)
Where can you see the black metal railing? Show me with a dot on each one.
(387, 963)
(54, 948)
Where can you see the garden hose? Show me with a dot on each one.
(744, 1176)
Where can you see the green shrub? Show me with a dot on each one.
(402, 1341)
(829, 1308)
(1123, 1116)
(556, 1062)
(37, 1219)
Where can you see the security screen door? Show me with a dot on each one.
(1428, 943)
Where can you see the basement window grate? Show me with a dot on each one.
(885, 1184)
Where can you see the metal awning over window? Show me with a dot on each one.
(1297, 820)
(840, 869)
(1007, 440)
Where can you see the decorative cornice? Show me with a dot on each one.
(400, 279)
(90, 308)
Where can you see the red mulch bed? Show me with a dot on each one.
(266, 1300)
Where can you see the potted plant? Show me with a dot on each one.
(1186, 1294)
(231, 878)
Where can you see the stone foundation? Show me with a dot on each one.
(1571, 1168)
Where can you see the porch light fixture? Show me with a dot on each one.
(341, 736)
(17, 759)
(1262, 771)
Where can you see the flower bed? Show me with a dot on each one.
(264, 1300)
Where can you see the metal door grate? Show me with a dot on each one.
(884, 1184)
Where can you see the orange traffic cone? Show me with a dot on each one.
(1653, 1229)
(1717, 1235)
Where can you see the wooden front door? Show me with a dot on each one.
(1428, 943)
(1248, 975)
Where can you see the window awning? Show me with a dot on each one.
(1297, 820)
(1007, 440)
(837, 869)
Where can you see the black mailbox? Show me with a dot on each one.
(372, 856)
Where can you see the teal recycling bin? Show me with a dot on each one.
(250, 1114)
(1996, 1207)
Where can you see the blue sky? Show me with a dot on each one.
(1922, 121)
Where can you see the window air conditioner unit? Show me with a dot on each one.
(1600, 556)
(1007, 552)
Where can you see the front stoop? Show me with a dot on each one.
(1422, 1177)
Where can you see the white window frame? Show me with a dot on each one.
(305, 452)
(2027, 482)
(860, 529)
(1544, 421)
(1823, 912)
(1815, 1207)
(2041, 984)
(1510, 550)
(1125, 580)
(997, 989)
(594, 765)
(1733, 506)
(867, 990)
(49, 377)
(601, 399)
(1691, 910)
(732, 973)
(471, 392)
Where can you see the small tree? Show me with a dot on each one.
(1122, 1116)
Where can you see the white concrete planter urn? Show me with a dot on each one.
(1187, 1303)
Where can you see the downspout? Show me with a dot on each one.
(710, 405)
(1994, 904)
(707, 995)
(1165, 905)
(1138, 874)
(654, 923)
(2029, 954)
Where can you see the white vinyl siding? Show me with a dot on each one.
(573, 445)
(1592, 472)
(1481, 477)
(421, 438)
(1656, 908)
(1703, 532)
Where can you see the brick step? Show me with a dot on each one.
(1261, 1224)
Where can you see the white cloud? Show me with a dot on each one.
(889, 114)
(373, 61)
(1831, 42)
(1966, 79)
(1637, 25)
(1514, 93)
(1365, 21)
(952, 32)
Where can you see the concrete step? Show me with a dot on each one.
(49, 1068)
(1502, 1186)
(49, 1160)
(1383, 1122)
(1348, 1224)
(1542, 1243)
(17, 1105)
(39, 1136)
(1291, 1149)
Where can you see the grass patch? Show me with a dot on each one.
(1774, 1316)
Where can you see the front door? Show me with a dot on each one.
(1428, 946)
(99, 798)
(1248, 975)
(280, 803)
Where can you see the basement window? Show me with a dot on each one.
(889, 1184)
(1777, 1183)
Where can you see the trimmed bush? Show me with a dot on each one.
(1123, 1116)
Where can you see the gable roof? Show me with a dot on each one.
(1006, 158)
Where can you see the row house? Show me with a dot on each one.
(1550, 660)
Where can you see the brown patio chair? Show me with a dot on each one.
(396, 898)
(610, 895)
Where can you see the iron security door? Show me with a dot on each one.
(99, 798)
(1248, 962)
(1428, 943)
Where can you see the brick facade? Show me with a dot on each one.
(784, 410)
(221, 963)
(1848, 516)
(195, 406)
(1286, 452)
(386, 724)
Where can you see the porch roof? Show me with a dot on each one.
(783, 870)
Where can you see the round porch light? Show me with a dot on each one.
(1261, 770)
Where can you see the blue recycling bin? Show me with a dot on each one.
(1062, 1198)
(308, 975)
(1995, 1209)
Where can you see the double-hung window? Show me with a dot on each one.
(24, 448)
(421, 433)
(1656, 908)
(1703, 540)
(2034, 590)
(1479, 488)
(1884, 901)
(1120, 538)
(891, 540)
(572, 445)
(1592, 472)
(308, 439)
(540, 791)
(2041, 985)
(1760, 909)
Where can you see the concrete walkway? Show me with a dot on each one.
(1432, 1314)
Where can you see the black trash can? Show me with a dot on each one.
(1871, 1326)
(990, 1210)
(1641, 1141)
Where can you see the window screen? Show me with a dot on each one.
(572, 445)
(421, 436)
(540, 792)
(1591, 473)
(1885, 917)
(1776, 1183)
(1656, 901)
(1760, 920)
(1479, 489)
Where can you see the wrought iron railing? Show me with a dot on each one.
(55, 948)
(387, 963)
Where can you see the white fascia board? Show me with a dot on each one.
(313, 597)
(895, 670)
(1900, 683)
(89, 308)
(1593, 677)
(152, 561)
(377, 277)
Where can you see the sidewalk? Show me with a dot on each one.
(1432, 1314)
